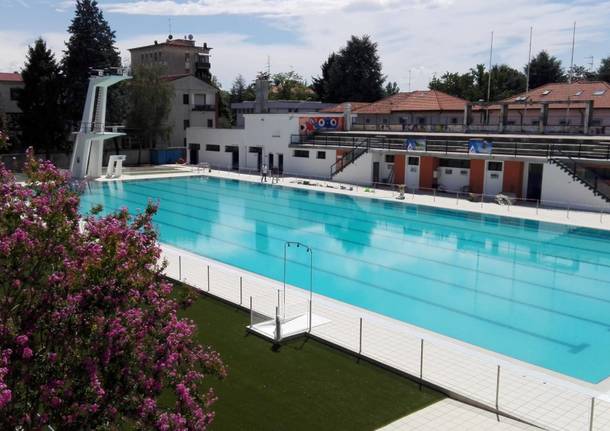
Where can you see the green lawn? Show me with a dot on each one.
(305, 385)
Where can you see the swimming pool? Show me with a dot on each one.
(535, 291)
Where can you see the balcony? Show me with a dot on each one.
(202, 65)
(211, 108)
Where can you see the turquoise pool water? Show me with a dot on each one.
(538, 292)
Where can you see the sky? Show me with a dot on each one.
(416, 38)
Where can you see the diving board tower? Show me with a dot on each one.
(89, 144)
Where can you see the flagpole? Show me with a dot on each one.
(572, 59)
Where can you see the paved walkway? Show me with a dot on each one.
(452, 415)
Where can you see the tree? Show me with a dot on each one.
(353, 74)
(238, 90)
(225, 117)
(545, 69)
(603, 72)
(290, 86)
(150, 99)
(581, 73)
(320, 83)
(391, 89)
(91, 45)
(42, 120)
(89, 333)
(472, 85)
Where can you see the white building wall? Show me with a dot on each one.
(222, 137)
(559, 189)
(453, 179)
(359, 172)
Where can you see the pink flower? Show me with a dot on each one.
(27, 353)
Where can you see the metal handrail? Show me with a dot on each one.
(349, 158)
(596, 151)
(573, 169)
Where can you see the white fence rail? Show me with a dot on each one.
(534, 397)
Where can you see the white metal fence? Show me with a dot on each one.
(521, 392)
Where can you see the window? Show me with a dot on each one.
(421, 120)
(546, 92)
(578, 93)
(494, 166)
(186, 124)
(413, 161)
(535, 122)
(596, 122)
(16, 93)
(301, 153)
(599, 92)
(231, 149)
(389, 158)
(185, 99)
(454, 163)
(454, 120)
(321, 155)
(212, 147)
(210, 123)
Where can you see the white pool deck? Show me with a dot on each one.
(541, 397)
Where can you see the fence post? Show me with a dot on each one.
(457, 198)
(179, 267)
(592, 414)
(537, 205)
(421, 364)
(434, 196)
(241, 290)
(498, 392)
(568, 212)
(310, 316)
(208, 278)
(360, 342)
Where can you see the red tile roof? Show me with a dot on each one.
(10, 77)
(427, 100)
(340, 108)
(598, 91)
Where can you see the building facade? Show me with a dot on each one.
(194, 105)
(11, 86)
(533, 167)
(175, 57)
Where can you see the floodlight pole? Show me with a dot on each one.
(309, 250)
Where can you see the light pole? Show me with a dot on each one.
(308, 250)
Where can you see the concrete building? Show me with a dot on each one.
(194, 105)
(175, 56)
(187, 70)
(412, 111)
(11, 85)
(552, 170)
(262, 105)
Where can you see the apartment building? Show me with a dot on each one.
(187, 69)
(11, 85)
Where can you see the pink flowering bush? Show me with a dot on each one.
(89, 332)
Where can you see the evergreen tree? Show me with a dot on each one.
(238, 90)
(91, 45)
(391, 89)
(42, 122)
(320, 83)
(353, 74)
(603, 73)
(223, 100)
(545, 69)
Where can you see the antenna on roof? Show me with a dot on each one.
(269, 66)
(572, 58)
(409, 80)
(491, 50)
(529, 62)
(591, 63)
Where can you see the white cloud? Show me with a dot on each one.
(14, 46)
(424, 36)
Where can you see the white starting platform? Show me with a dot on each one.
(115, 166)
(278, 330)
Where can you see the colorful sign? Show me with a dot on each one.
(309, 125)
(479, 146)
(415, 144)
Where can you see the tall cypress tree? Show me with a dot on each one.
(544, 69)
(42, 122)
(91, 45)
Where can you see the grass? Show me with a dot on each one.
(303, 385)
